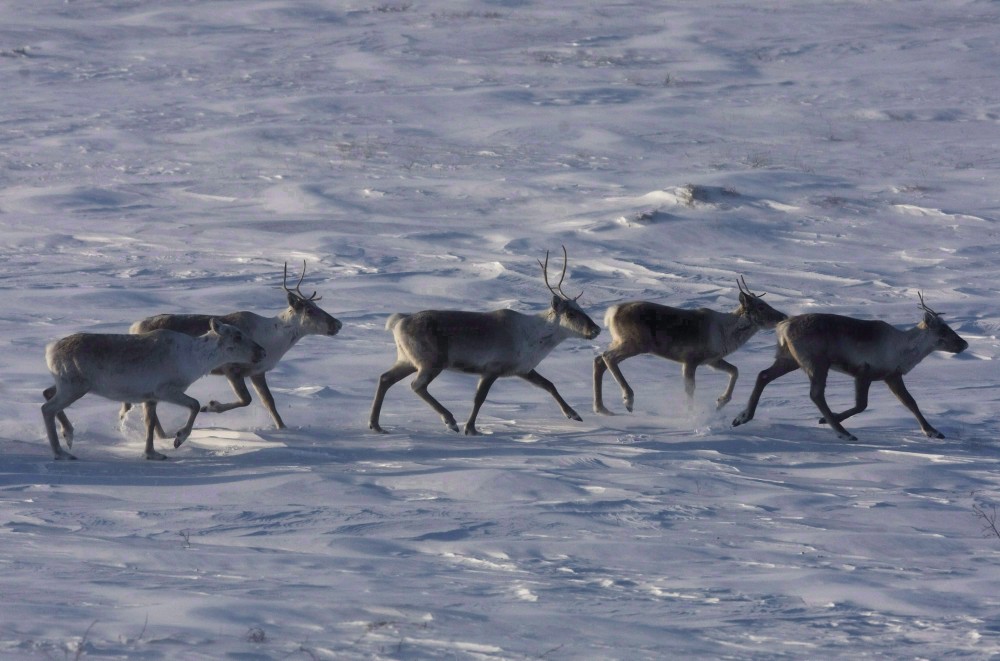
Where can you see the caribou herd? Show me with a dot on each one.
(161, 356)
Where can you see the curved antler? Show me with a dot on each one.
(297, 291)
(742, 284)
(558, 291)
(923, 305)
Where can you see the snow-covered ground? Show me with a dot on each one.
(172, 155)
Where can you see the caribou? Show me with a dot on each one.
(690, 337)
(276, 334)
(149, 368)
(867, 350)
(493, 344)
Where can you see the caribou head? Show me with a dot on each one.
(566, 310)
(311, 316)
(757, 311)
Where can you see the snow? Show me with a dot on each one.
(172, 156)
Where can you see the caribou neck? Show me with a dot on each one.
(286, 325)
(918, 343)
(546, 328)
(737, 328)
(205, 353)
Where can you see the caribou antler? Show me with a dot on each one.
(923, 306)
(742, 284)
(558, 291)
(297, 291)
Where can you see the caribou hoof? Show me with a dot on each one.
(603, 411)
(742, 418)
(154, 455)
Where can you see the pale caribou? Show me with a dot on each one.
(276, 334)
(866, 350)
(491, 344)
(148, 368)
(690, 337)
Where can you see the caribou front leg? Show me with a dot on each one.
(612, 357)
(188, 402)
(537, 379)
(898, 388)
(149, 412)
(259, 382)
(485, 382)
(733, 372)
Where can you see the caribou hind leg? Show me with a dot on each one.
(67, 426)
(611, 358)
(394, 375)
(424, 377)
(56, 400)
(600, 367)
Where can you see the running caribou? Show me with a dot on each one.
(866, 350)
(690, 337)
(491, 344)
(148, 368)
(276, 334)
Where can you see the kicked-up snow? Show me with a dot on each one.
(172, 156)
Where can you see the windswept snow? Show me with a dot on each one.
(171, 156)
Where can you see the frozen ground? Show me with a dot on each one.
(170, 156)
